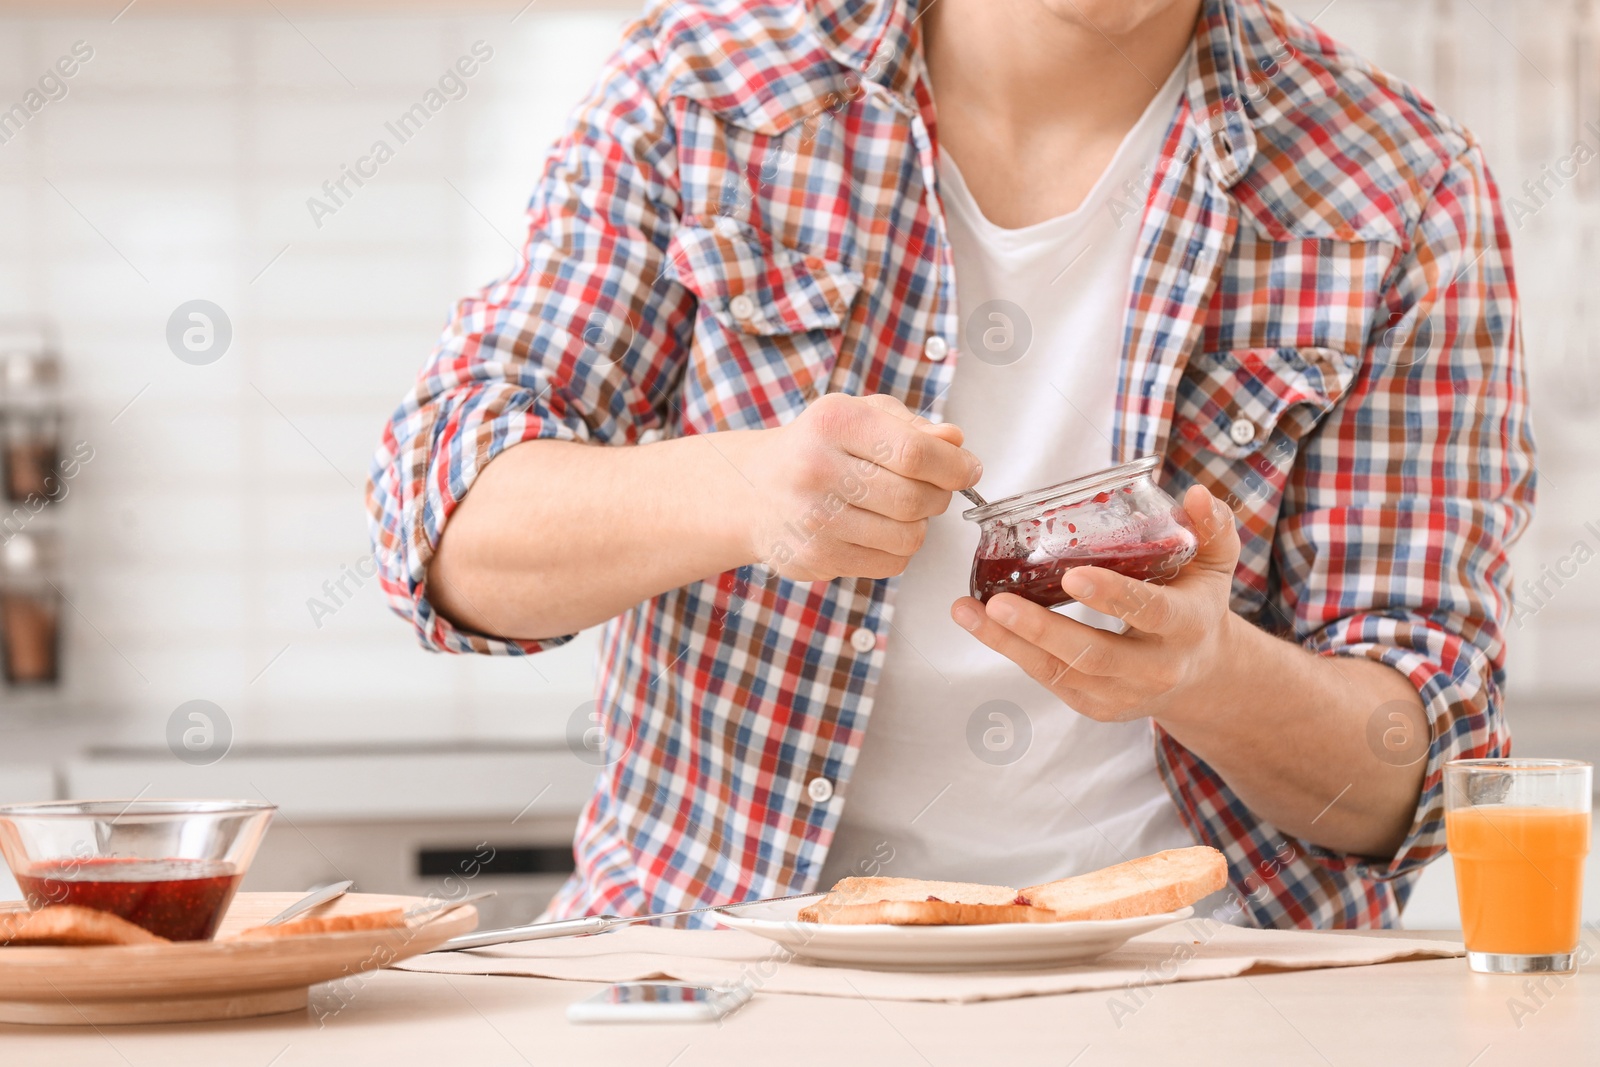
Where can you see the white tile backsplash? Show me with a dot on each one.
(224, 496)
(336, 362)
(178, 221)
(395, 284)
(161, 444)
(196, 55)
(401, 206)
(154, 529)
(149, 135)
(380, 53)
(183, 602)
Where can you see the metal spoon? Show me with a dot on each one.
(309, 901)
(975, 497)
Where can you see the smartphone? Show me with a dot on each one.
(657, 1002)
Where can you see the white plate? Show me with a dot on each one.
(942, 948)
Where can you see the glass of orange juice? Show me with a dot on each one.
(1518, 830)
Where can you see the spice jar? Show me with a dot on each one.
(30, 614)
(33, 448)
(32, 426)
(1118, 519)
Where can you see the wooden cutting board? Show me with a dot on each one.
(221, 979)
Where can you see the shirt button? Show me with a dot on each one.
(1243, 431)
(935, 348)
(727, 226)
(820, 790)
(742, 307)
(864, 640)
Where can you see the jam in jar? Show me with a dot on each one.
(1118, 519)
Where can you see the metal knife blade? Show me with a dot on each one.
(441, 906)
(591, 924)
(309, 901)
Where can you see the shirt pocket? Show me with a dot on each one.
(768, 328)
(1238, 422)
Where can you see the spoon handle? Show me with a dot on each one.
(973, 495)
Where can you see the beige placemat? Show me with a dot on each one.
(1185, 952)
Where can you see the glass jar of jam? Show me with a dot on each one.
(1118, 519)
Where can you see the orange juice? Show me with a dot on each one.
(1519, 877)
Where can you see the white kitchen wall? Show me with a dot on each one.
(220, 498)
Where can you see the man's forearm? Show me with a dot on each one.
(1289, 732)
(556, 536)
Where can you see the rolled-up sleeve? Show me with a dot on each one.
(583, 341)
(1397, 521)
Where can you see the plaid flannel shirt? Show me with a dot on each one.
(744, 214)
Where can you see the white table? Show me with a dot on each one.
(1414, 1014)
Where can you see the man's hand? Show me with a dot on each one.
(846, 489)
(1177, 638)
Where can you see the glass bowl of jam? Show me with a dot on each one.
(170, 866)
(1119, 519)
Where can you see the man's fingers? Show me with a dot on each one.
(902, 499)
(893, 405)
(884, 431)
(928, 458)
(1214, 524)
(854, 561)
(1038, 664)
(945, 431)
(1082, 647)
(866, 529)
(1148, 608)
(1165, 609)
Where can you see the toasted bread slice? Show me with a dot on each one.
(329, 924)
(69, 924)
(1149, 885)
(913, 902)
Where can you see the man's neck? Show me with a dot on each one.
(1032, 104)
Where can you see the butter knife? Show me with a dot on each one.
(590, 924)
(309, 901)
(434, 908)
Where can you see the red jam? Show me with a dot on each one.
(178, 899)
(1040, 580)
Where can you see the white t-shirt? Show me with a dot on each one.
(970, 770)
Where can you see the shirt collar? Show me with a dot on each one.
(1246, 76)
(876, 38)
(1246, 73)
(771, 68)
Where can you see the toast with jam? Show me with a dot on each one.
(1150, 885)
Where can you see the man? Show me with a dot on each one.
(785, 251)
